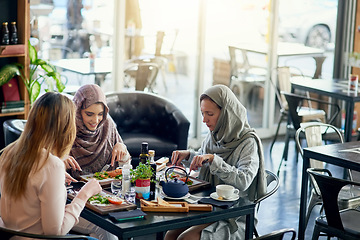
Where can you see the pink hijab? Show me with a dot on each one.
(92, 149)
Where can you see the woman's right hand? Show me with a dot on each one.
(179, 155)
(91, 188)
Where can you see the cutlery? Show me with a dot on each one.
(106, 167)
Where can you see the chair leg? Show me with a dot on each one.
(285, 152)
(316, 233)
(256, 234)
(277, 132)
(314, 200)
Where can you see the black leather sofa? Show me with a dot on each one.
(146, 117)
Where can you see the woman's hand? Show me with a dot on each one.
(120, 154)
(91, 188)
(178, 156)
(200, 160)
(69, 179)
(70, 162)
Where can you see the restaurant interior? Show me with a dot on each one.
(258, 48)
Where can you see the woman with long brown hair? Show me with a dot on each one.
(32, 171)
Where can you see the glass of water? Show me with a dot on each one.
(116, 187)
(130, 195)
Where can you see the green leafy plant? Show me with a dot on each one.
(36, 78)
(142, 171)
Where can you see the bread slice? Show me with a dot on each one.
(163, 203)
(148, 203)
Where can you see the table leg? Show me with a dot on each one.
(249, 230)
(348, 121)
(303, 198)
(319, 60)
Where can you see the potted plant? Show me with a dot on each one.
(36, 78)
(141, 176)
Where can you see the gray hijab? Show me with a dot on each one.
(231, 130)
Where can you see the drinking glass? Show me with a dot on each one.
(130, 195)
(116, 187)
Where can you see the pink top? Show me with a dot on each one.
(43, 209)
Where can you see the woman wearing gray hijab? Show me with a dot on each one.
(230, 154)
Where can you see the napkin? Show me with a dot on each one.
(217, 203)
(127, 215)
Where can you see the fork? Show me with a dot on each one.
(106, 167)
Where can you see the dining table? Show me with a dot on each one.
(159, 222)
(334, 88)
(82, 66)
(285, 49)
(346, 155)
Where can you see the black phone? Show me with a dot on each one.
(76, 186)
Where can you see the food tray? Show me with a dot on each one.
(103, 210)
(105, 183)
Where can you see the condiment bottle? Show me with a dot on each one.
(13, 33)
(144, 155)
(5, 34)
(126, 178)
(153, 178)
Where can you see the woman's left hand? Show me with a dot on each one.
(120, 154)
(200, 160)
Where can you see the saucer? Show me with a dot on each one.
(172, 198)
(234, 197)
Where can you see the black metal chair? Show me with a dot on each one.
(298, 115)
(315, 133)
(278, 235)
(6, 234)
(343, 224)
(272, 188)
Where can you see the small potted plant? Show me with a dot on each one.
(141, 176)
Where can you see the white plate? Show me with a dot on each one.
(180, 198)
(234, 197)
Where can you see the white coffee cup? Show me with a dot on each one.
(226, 191)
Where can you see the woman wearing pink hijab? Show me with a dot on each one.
(97, 140)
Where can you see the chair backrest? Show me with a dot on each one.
(165, 40)
(6, 234)
(278, 235)
(314, 132)
(145, 74)
(12, 130)
(330, 188)
(297, 111)
(271, 188)
(238, 60)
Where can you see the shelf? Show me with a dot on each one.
(12, 114)
(12, 50)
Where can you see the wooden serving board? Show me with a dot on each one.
(178, 207)
(103, 210)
